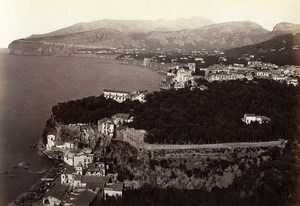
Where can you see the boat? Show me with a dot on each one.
(33, 146)
(12, 175)
(3, 173)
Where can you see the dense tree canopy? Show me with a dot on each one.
(214, 115)
(209, 116)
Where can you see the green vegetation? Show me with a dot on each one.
(198, 117)
(270, 183)
(214, 115)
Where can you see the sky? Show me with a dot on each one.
(21, 18)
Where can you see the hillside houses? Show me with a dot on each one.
(121, 96)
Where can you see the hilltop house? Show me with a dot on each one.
(119, 96)
(249, 118)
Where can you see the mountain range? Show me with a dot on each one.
(189, 34)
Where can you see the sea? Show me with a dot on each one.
(30, 86)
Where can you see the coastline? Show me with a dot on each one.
(39, 147)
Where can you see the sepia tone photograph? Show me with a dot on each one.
(149, 102)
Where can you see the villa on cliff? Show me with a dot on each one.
(121, 96)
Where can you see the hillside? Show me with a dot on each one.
(225, 35)
(281, 50)
(132, 26)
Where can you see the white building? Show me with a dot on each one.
(119, 96)
(139, 95)
(67, 177)
(250, 118)
(113, 189)
(224, 77)
(292, 81)
(106, 127)
(82, 158)
(65, 145)
(182, 78)
(50, 141)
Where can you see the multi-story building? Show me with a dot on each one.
(119, 96)
(106, 127)
(96, 169)
(82, 158)
(134, 137)
(224, 77)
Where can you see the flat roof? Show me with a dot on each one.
(115, 91)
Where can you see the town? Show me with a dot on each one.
(86, 176)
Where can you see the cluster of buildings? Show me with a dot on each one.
(83, 185)
(254, 69)
(180, 77)
(121, 96)
(84, 180)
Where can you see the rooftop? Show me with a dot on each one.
(115, 91)
(94, 179)
(117, 186)
(58, 191)
(85, 198)
(105, 120)
(121, 115)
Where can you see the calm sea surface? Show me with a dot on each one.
(30, 86)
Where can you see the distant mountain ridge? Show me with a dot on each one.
(127, 34)
(280, 50)
(132, 26)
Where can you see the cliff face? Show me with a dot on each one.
(65, 45)
(26, 47)
(222, 36)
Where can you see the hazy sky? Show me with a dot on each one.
(21, 18)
